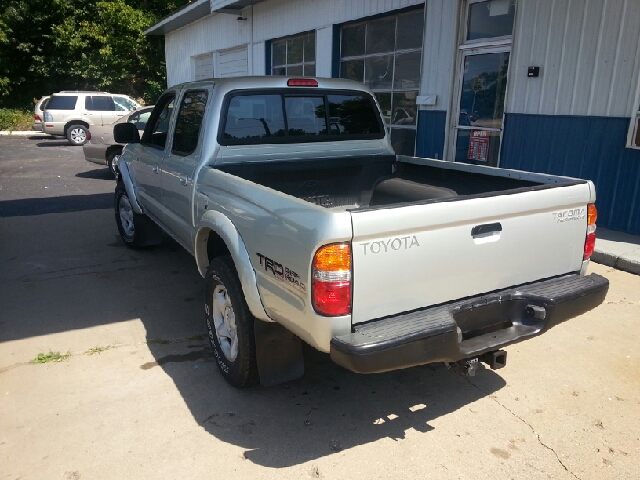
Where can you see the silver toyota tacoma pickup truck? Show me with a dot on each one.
(306, 226)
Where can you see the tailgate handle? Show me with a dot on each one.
(486, 228)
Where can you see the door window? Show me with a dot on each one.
(188, 123)
(156, 133)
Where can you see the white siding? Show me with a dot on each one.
(273, 19)
(232, 63)
(439, 53)
(279, 18)
(211, 34)
(588, 52)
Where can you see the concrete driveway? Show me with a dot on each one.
(140, 397)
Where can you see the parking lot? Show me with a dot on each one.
(140, 396)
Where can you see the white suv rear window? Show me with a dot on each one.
(66, 102)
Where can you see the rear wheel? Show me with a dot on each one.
(230, 324)
(77, 135)
(112, 159)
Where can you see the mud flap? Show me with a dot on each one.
(278, 354)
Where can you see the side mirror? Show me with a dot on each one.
(126, 133)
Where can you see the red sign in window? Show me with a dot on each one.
(478, 145)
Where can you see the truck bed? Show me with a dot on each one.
(376, 181)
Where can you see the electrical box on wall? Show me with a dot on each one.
(533, 72)
(426, 99)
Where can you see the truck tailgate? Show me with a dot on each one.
(412, 256)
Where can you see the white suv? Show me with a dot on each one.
(71, 113)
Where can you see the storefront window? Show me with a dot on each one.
(294, 56)
(386, 55)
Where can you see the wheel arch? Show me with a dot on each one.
(84, 123)
(217, 236)
(125, 178)
(112, 148)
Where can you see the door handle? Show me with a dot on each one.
(155, 169)
(183, 179)
(486, 228)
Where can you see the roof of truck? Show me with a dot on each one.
(273, 81)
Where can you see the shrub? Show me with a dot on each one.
(15, 120)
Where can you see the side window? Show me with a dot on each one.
(156, 132)
(254, 117)
(188, 123)
(66, 102)
(99, 104)
(123, 104)
(140, 118)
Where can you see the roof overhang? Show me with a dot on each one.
(196, 10)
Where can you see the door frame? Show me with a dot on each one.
(473, 47)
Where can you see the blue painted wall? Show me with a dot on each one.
(430, 133)
(585, 147)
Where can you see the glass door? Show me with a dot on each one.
(482, 82)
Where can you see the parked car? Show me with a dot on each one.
(38, 113)
(101, 148)
(71, 113)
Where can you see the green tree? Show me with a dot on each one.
(52, 45)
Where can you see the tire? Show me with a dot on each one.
(77, 135)
(136, 229)
(230, 324)
(113, 156)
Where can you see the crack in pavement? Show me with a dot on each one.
(537, 435)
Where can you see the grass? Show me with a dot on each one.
(94, 350)
(158, 341)
(50, 357)
(15, 120)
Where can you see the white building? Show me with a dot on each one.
(541, 85)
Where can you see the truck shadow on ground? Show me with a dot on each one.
(325, 412)
(102, 173)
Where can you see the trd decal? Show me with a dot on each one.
(281, 272)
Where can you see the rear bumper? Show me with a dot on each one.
(469, 327)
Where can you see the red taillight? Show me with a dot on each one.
(37, 118)
(302, 82)
(331, 283)
(590, 241)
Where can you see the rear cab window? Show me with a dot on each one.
(64, 102)
(285, 116)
